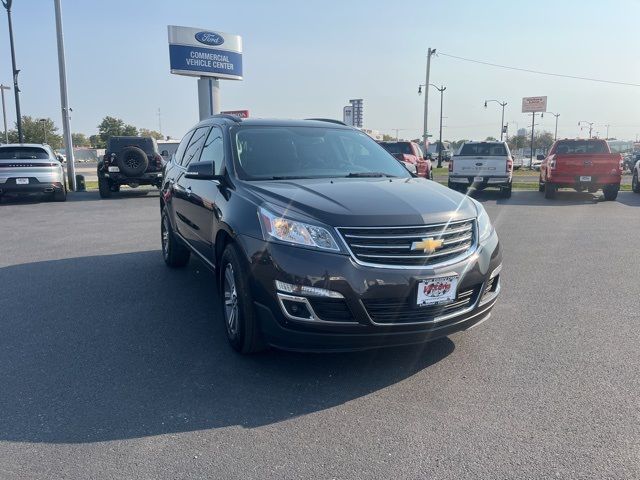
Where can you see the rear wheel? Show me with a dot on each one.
(610, 192)
(550, 190)
(635, 185)
(241, 323)
(60, 196)
(175, 254)
(506, 191)
(104, 187)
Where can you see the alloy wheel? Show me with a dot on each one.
(230, 300)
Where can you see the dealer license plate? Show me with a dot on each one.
(22, 181)
(478, 179)
(584, 178)
(437, 291)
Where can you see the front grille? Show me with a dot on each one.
(398, 311)
(392, 245)
(331, 309)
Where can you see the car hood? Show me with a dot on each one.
(348, 202)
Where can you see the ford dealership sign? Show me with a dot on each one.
(209, 38)
(204, 53)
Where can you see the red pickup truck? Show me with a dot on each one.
(410, 152)
(581, 165)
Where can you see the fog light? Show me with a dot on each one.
(296, 309)
(306, 290)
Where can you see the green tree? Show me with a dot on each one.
(491, 139)
(456, 144)
(80, 140)
(112, 126)
(95, 141)
(145, 132)
(543, 141)
(388, 138)
(37, 130)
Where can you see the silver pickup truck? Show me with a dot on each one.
(31, 168)
(482, 165)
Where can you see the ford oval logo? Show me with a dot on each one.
(209, 38)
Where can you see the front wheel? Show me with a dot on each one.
(635, 185)
(540, 184)
(610, 192)
(174, 253)
(60, 196)
(241, 323)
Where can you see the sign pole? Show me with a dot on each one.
(208, 97)
(64, 100)
(533, 119)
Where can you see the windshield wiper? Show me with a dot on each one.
(368, 175)
(285, 177)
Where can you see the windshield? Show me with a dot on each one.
(310, 152)
(486, 149)
(397, 147)
(23, 153)
(578, 147)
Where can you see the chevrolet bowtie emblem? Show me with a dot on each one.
(427, 245)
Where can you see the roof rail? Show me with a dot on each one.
(330, 120)
(233, 118)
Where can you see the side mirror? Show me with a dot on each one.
(540, 157)
(164, 153)
(202, 171)
(60, 158)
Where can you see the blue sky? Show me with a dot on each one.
(308, 58)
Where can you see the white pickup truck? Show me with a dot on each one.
(481, 165)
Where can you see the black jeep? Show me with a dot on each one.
(132, 161)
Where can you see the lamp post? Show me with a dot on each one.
(425, 134)
(441, 89)
(43, 121)
(607, 126)
(7, 5)
(502, 104)
(581, 122)
(4, 112)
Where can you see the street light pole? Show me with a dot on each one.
(425, 134)
(16, 90)
(555, 137)
(43, 121)
(607, 131)
(502, 104)
(441, 89)
(588, 123)
(4, 112)
(533, 121)
(64, 100)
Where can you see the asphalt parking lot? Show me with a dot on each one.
(114, 366)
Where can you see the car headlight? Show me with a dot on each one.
(485, 229)
(298, 233)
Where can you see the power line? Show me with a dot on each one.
(550, 74)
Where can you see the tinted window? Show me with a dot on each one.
(397, 147)
(25, 153)
(213, 150)
(309, 152)
(177, 158)
(569, 147)
(195, 145)
(486, 149)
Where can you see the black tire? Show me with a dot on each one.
(242, 327)
(540, 184)
(610, 192)
(174, 253)
(506, 191)
(635, 184)
(431, 174)
(550, 190)
(60, 196)
(103, 187)
(132, 161)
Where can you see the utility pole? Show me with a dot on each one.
(607, 131)
(4, 112)
(555, 137)
(16, 90)
(587, 123)
(502, 104)
(64, 100)
(159, 121)
(425, 134)
(43, 121)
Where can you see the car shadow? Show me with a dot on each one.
(90, 195)
(563, 198)
(119, 346)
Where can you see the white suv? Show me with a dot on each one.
(31, 168)
(481, 165)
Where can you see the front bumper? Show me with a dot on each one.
(10, 187)
(363, 318)
(484, 183)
